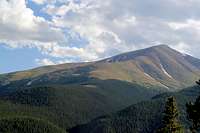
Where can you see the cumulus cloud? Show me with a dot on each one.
(19, 27)
(92, 21)
(39, 1)
(18, 23)
(116, 26)
(45, 62)
(108, 27)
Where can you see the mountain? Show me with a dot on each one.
(143, 117)
(72, 94)
(158, 66)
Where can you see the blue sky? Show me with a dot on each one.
(17, 59)
(34, 33)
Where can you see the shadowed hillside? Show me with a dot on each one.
(143, 117)
(69, 105)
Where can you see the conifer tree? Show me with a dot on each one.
(198, 82)
(170, 123)
(193, 113)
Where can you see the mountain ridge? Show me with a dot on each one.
(137, 52)
(155, 66)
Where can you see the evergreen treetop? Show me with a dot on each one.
(193, 112)
(170, 123)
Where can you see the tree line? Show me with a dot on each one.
(170, 122)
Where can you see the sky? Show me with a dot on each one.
(34, 33)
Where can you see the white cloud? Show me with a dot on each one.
(182, 47)
(45, 62)
(39, 1)
(127, 21)
(51, 9)
(190, 23)
(62, 52)
(110, 27)
(20, 28)
(18, 24)
(116, 26)
(91, 20)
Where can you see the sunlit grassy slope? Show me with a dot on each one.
(156, 66)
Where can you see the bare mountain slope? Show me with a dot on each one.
(158, 66)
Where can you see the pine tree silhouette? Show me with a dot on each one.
(170, 123)
(198, 82)
(193, 113)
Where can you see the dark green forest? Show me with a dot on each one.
(144, 117)
(71, 105)
(46, 104)
(27, 125)
(45, 107)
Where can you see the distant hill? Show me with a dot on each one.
(143, 117)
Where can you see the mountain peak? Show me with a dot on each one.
(158, 66)
(159, 49)
(161, 46)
